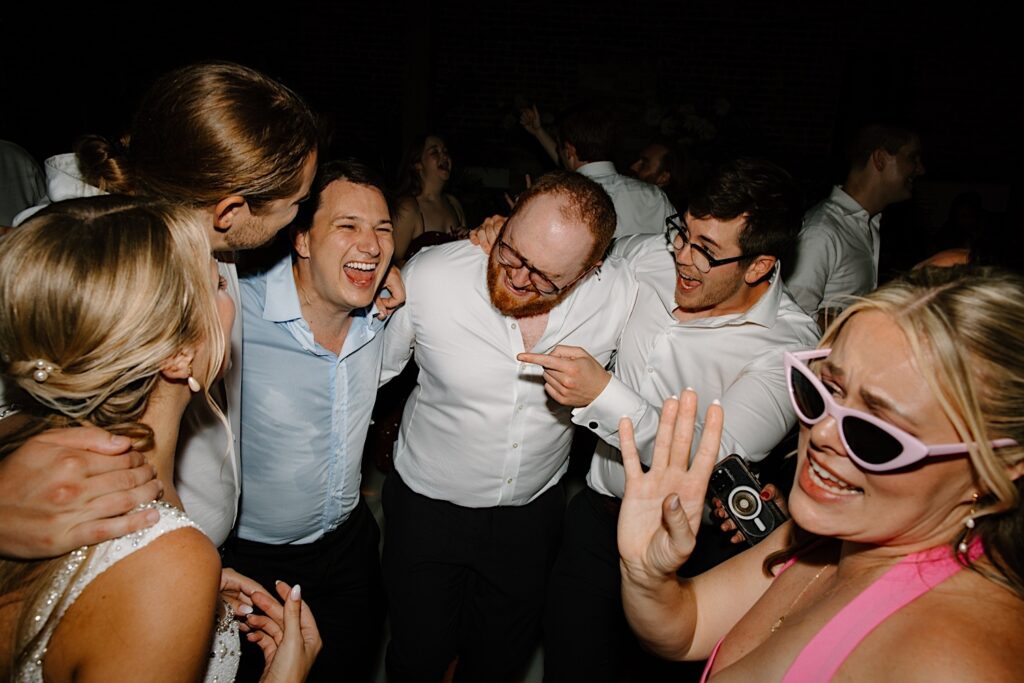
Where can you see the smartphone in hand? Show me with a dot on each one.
(738, 488)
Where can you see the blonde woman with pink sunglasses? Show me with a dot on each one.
(903, 560)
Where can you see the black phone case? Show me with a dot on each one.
(739, 490)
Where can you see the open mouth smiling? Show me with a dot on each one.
(825, 479)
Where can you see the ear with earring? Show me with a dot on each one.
(969, 523)
(193, 384)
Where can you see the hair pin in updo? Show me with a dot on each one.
(43, 370)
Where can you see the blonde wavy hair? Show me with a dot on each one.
(101, 292)
(963, 325)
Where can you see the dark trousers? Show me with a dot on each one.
(586, 636)
(340, 578)
(465, 582)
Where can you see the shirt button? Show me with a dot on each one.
(649, 370)
(519, 407)
(513, 326)
(592, 424)
(509, 480)
(515, 445)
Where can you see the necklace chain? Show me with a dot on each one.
(778, 622)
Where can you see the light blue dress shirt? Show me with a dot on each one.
(305, 412)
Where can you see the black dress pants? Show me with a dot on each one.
(340, 578)
(466, 583)
(586, 636)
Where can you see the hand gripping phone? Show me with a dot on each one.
(740, 492)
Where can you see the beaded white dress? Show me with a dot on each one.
(62, 594)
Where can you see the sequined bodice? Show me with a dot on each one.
(79, 570)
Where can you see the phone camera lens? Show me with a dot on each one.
(744, 502)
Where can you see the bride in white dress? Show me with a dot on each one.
(111, 314)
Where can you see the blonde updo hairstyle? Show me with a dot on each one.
(101, 292)
(964, 328)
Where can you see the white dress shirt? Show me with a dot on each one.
(207, 473)
(479, 430)
(735, 358)
(63, 181)
(836, 254)
(639, 207)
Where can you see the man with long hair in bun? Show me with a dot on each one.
(237, 151)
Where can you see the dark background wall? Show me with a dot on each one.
(785, 80)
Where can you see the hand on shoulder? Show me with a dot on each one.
(66, 488)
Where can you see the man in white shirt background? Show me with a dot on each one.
(711, 314)
(838, 247)
(473, 507)
(586, 134)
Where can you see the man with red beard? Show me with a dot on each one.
(474, 505)
(711, 314)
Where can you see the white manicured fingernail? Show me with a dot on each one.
(296, 594)
(716, 402)
(245, 609)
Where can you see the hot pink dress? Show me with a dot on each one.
(907, 580)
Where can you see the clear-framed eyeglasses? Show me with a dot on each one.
(510, 258)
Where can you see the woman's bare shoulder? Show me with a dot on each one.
(968, 628)
(148, 617)
(406, 204)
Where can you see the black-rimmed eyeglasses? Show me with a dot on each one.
(677, 236)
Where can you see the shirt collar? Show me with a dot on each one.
(766, 310)
(850, 207)
(281, 303)
(596, 169)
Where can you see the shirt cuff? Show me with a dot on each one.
(603, 415)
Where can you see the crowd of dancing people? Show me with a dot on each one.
(183, 431)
